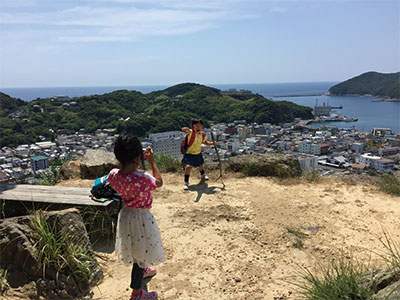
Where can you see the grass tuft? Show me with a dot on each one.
(58, 250)
(390, 184)
(4, 285)
(100, 223)
(340, 279)
(311, 176)
(391, 253)
(167, 163)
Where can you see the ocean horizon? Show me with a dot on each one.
(265, 89)
(370, 114)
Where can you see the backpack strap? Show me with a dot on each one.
(203, 137)
(185, 140)
(192, 138)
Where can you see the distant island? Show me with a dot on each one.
(385, 86)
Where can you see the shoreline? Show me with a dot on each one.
(381, 99)
(296, 95)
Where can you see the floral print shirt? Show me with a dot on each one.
(135, 188)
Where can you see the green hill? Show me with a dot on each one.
(8, 104)
(370, 83)
(141, 114)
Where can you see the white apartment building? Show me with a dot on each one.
(376, 162)
(168, 143)
(22, 151)
(368, 160)
(384, 165)
(233, 145)
(357, 147)
(309, 148)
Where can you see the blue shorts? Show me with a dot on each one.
(195, 160)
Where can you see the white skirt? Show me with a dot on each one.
(138, 238)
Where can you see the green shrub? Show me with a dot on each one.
(389, 184)
(167, 163)
(311, 176)
(100, 222)
(340, 279)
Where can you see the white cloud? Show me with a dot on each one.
(279, 9)
(120, 22)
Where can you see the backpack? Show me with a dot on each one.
(102, 189)
(186, 144)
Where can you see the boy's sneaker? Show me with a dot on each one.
(205, 177)
(149, 271)
(185, 187)
(146, 296)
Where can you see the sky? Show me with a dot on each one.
(55, 43)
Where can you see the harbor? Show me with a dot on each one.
(328, 113)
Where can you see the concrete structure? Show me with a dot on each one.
(39, 162)
(46, 145)
(382, 131)
(233, 145)
(357, 147)
(309, 148)
(388, 151)
(383, 165)
(168, 143)
(368, 160)
(307, 162)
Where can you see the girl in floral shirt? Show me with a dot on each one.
(138, 239)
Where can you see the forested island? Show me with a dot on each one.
(24, 122)
(376, 84)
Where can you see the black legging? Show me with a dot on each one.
(136, 277)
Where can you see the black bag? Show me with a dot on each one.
(102, 189)
(184, 145)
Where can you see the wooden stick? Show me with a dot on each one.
(216, 150)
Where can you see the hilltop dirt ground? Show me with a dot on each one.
(235, 243)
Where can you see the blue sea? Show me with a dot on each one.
(370, 114)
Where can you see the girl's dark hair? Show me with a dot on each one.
(127, 148)
(195, 121)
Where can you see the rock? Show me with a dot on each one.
(69, 170)
(384, 283)
(96, 163)
(391, 292)
(18, 255)
(277, 165)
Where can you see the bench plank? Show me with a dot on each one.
(48, 194)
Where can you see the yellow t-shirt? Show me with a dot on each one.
(195, 148)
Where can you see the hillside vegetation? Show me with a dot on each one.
(132, 111)
(371, 83)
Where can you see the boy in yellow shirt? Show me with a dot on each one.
(193, 156)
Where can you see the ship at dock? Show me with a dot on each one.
(327, 113)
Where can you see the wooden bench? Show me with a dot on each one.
(48, 194)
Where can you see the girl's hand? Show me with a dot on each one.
(149, 155)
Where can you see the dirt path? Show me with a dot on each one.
(235, 243)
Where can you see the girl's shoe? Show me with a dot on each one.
(146, 296)
(205, 177)
(149, 271)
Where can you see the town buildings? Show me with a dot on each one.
(328, 151)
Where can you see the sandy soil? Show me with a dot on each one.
(234, 243)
